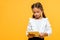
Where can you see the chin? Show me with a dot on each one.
(37, 17)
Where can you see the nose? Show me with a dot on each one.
(36, 13)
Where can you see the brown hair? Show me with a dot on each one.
(38, 5)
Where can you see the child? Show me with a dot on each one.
(38, 23)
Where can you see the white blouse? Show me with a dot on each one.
(39, 25)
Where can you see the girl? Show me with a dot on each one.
(38, 23)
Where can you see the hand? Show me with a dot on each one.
(45, 34)
(41, 35)
(31, 35)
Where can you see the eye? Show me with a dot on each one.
(37, 11)
(34, 12)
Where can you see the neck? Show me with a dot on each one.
(39, 18)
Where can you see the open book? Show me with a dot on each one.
(36, 34)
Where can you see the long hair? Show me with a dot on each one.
(38, 5)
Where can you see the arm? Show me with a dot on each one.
(29, 28)
(48, 30)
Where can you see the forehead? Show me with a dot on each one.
(36, 9)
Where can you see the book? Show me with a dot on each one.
(36, 34)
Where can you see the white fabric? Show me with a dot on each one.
(39, 25)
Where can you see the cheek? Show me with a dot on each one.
(39, 14)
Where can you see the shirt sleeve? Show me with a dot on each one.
(48, 28)
(28, 27)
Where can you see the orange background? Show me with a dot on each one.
(14, 15)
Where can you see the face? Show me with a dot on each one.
(37, 12)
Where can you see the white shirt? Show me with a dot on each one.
(39, 25)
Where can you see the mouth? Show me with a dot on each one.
(37, 17)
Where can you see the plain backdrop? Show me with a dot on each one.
(14, 16)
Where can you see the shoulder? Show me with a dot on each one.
(46, 19)
(31, 19)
